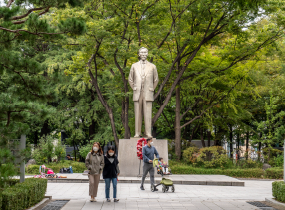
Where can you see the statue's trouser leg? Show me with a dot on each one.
(147, 109)
(138, 115)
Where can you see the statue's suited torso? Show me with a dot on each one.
(143, 82)
(143, 79)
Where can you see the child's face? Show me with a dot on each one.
(161, 160)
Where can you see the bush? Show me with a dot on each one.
(190, 154)
(274, 173)
(59, 151)
(271, 153)
(44, 152)
(278, 190)
(249, 164)
(277, 161)
(24, 195)
(33, 169)
(213, 157)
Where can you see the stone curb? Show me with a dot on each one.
(273, 201)
(40, 203)
(213, 183)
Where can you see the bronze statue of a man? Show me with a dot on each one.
(143, 79)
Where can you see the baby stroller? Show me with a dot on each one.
(166, 183)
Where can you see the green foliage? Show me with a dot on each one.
(274, 173)
(59, 151)
(24, 195)
(213, 157)
(45, 150)
(278, 190)
(190, 154)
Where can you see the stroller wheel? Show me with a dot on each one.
(163, 188)
(167, 188)
(152, 188)
(172, 188)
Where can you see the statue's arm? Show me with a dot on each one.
(131, 77)
(155, 77)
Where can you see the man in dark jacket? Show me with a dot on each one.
(148, 155)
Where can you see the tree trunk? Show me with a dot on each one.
(125, 117)
(238, 145)
(112, 121)
(246, 145)
(177, 125)
(202, 136)
(45, 129)
(92, 130)
(102, 100)
(36, 138)
(74, 150)
(154, 131)
(195, 129)
(209, 138)
(231, 141)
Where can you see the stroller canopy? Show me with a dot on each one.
(155, 162)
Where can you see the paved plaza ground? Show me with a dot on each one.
(185, 196)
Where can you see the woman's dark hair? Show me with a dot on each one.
(110, 148)
(149, 139)
(100, 149)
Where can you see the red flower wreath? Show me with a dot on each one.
(141, 142)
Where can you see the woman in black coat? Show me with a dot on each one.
(110, 172)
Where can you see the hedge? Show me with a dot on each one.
(278, 190)
(245, 173)
(274, 173)
(24, 195)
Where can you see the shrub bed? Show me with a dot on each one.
(23, 195)
(278, 190)
(274, 173)
(77, 167)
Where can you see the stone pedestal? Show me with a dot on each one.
(128, 160)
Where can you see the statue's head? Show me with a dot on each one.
(143, 53)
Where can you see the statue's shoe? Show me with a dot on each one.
(149, 136)
(136, 136)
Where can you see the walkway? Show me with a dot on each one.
(185, 196)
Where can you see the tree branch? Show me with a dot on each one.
(26, 14)
(211, 105)
(9, 3)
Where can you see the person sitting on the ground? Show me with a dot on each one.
(68, 157)
(163, 165)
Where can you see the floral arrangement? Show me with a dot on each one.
(141, 142)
